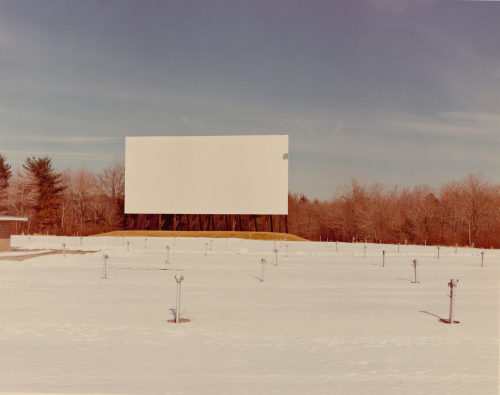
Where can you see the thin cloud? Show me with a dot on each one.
(60, 139)
(57, 154)
(446, 124)
(400, 6)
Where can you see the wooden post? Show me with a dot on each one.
(271, 222)
(239, 218)
(212, 218)
(225, 220)
(175, 221)
(199, 221)
(286, 223)
(255, 223)
(159, 221)
(188, 221)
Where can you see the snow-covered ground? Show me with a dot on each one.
(322, 321)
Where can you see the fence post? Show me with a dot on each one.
(383, 258)
(482, 258)
(438, 252)
(168, 255)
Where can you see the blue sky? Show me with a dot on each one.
(393, 91)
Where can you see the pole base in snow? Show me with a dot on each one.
(181, 320)
(447, 321)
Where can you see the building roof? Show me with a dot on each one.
(9, 218)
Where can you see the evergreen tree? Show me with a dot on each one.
(48, 187)
(5, 174)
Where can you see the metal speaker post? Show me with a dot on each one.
(452, 284)
(178, 279)
(263, 262)
(104, 269)
(415, 263)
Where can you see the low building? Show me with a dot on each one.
(6, 230)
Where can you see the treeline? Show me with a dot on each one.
(72, 202)
(466, 212)
(81, 202)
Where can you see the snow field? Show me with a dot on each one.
(321, 321)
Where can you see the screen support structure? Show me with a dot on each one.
(208, 222)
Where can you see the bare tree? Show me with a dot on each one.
(22, 196)
(112, 184)
(83, 188)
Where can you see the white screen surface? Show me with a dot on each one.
(206, 174)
